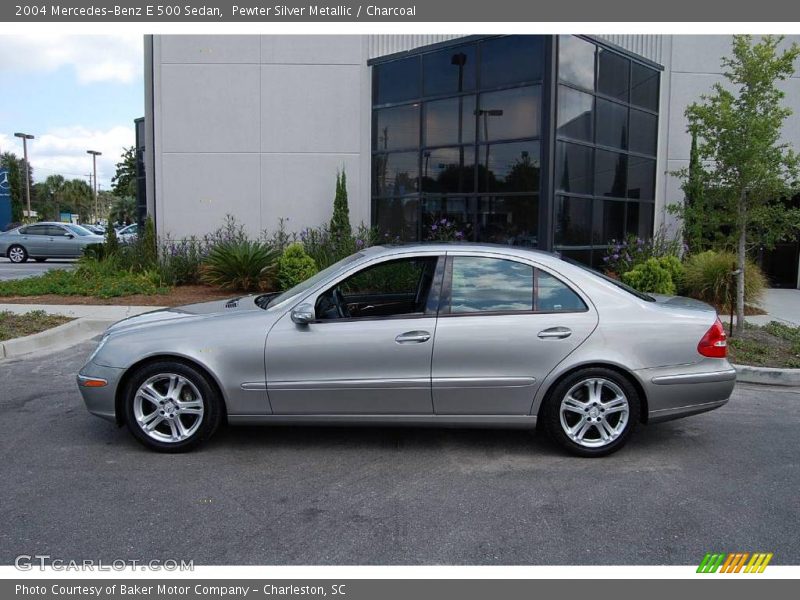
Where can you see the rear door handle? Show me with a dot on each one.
(557, 333)
(413, 337)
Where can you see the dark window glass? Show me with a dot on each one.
(447, 218)
(576, 61)
(511, 59)
(35, 230)
(402, 276)
(510, 114)
(575, 114)
(395, 174)
(640, 219)
(513, 167)
(573, 221)
(56, 231)
(644, 86)
(483, 284)
(552, 294)
(608, 222)
(612, 124)
(396, 128)
(509, 220)
(582, 256)
(644, 132)
(573, 168)
(442, 121)
(396, 81)
(449, 71)
(396, 219)
(610, 174)
(641, 178)
(449, 170)
(613, 74)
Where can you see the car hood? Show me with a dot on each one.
(188, 313)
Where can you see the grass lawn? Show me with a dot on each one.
(14, 326)
(773, 345)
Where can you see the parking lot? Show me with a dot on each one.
(77, 487)
(9, 270)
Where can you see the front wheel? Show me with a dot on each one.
(171, 406)
(592, 412)
(17, 254)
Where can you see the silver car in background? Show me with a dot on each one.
(41, 241)
(442, 334)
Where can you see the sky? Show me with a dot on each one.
(74, 93)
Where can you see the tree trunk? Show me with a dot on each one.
(741, 255)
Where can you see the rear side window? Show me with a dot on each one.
(35, 230)
(492, 285)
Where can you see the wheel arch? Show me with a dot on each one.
(119, 399)
(622, 371)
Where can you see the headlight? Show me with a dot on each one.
(99, 347)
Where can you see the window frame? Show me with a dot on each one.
(445, 297)
(431, 304)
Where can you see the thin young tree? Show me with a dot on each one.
(745, 163)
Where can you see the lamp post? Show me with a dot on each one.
(94, 154)
(25, 137)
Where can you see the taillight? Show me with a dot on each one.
(714, 343)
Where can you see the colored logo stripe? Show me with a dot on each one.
(734, 562)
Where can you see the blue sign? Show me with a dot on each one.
(5, 199)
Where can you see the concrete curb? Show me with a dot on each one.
(767, 375)
(57, 338)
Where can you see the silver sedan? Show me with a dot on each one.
(41, 241)
(454, 335)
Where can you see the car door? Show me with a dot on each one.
(36, 240)
(375, 358)
(504, 324)
(62, 242)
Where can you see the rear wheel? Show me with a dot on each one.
(592, 412)
(17, 254)
(171, 406)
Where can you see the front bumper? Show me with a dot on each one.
(685, 390)
(99, 400)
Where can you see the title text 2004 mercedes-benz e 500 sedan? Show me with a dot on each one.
(463, 334)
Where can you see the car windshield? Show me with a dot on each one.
(616, 282)
(77, 229)
(310, 282)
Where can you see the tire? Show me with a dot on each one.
(178, 419)
(17, 254)
(586, 424)
(40, 260)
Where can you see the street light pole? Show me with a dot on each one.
(94, 154)
(25, 137)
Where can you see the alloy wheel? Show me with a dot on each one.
(594, 412)
(168, 408)
(16, 254)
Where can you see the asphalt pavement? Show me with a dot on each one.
(76, 487)
(9, 270)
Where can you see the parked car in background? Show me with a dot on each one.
(41, 241)
(441, 334)
(128, 233)
(96, 229)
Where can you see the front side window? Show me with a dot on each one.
(388, 289)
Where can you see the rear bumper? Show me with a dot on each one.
(681, 391)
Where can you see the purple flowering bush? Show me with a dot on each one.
(444, 229)
(624, 255)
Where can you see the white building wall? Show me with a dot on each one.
(257, 126)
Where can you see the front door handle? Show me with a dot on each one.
(556, 333)
(413, 337)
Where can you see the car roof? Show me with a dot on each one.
(518, 251)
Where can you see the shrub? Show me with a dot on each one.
(112, 242)
(340, 229)
(622, 256)
(180, 261)
(708, 278)
(650, 276)
(447, 230)
(676, 270)
(294, 266)
(321, 245)
(242, 265)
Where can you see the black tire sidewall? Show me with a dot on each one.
(212, 406)
(24, 254)
(552, 420)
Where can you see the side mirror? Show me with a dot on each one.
(70, 236)
(303, 314)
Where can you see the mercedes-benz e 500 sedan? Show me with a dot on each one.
(470, 335)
